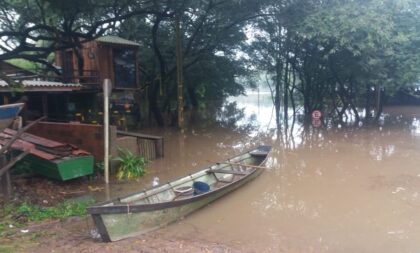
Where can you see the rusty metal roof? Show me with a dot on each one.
(39, 85)
(110, 39)
(41, 147)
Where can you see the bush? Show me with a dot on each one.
(131, 166)
(19, 214)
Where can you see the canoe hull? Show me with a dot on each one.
(8, 113)
(151, 209)
(121, 226)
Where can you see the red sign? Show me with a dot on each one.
(316, 114)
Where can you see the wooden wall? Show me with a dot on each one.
(97, 57)
(85, 136)
(106, 64)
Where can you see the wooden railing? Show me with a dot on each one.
(87, 78)
(150, 146)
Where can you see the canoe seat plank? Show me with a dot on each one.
(234, 172)
(225, 181)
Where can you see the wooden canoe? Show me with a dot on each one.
(150, 209)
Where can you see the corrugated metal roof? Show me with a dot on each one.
(38, 85)
(110, 39)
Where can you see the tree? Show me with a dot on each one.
(340, 51)
(59, 24)
(370, 44)
(209, 30)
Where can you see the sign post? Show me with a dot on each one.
(107, 86)
(316, 114)
(316, 118)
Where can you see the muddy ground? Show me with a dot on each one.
(75, 234)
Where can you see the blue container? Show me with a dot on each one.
(200, 187)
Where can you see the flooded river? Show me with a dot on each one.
(328, 189)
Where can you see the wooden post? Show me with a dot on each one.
(5, 99)
(5, 183)
(159, 148)
(44, 105)
(107, 92)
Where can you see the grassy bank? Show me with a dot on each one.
(17, 215)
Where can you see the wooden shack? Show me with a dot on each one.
(106, 57)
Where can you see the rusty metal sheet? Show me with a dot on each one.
(20, 145)
(31, 148)
(39, 146)
(37, 140)
(43, 154)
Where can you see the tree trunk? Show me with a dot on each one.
(180, 79)
(277, 94)
(379, 103)
(367, 105)
(153, 104)
(285, 93)
(292, 99)
(80, 62)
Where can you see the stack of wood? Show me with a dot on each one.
(39, 146)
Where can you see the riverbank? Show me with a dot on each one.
(75, 235)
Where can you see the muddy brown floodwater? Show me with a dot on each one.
(329, 189)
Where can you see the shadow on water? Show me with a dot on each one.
(327, 189)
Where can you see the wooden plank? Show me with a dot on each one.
(18, 134)
(159, 148)
(223, 171)
(244, 165)
(38, 140)
(27, 146)
(150, 146)
(143, 136)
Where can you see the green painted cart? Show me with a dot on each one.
(63, 169)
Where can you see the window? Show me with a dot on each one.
(124, 67)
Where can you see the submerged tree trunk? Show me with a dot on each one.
(368, 115)
(277, 93)
(286, 95)
(379, 102)
(292, 99)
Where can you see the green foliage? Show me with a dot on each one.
(131, 166)
(62, 210)
(16, 215)
(327, 52)
(331, 53)
(212, 36)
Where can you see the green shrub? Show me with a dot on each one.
(60, 211)
(131, 165)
